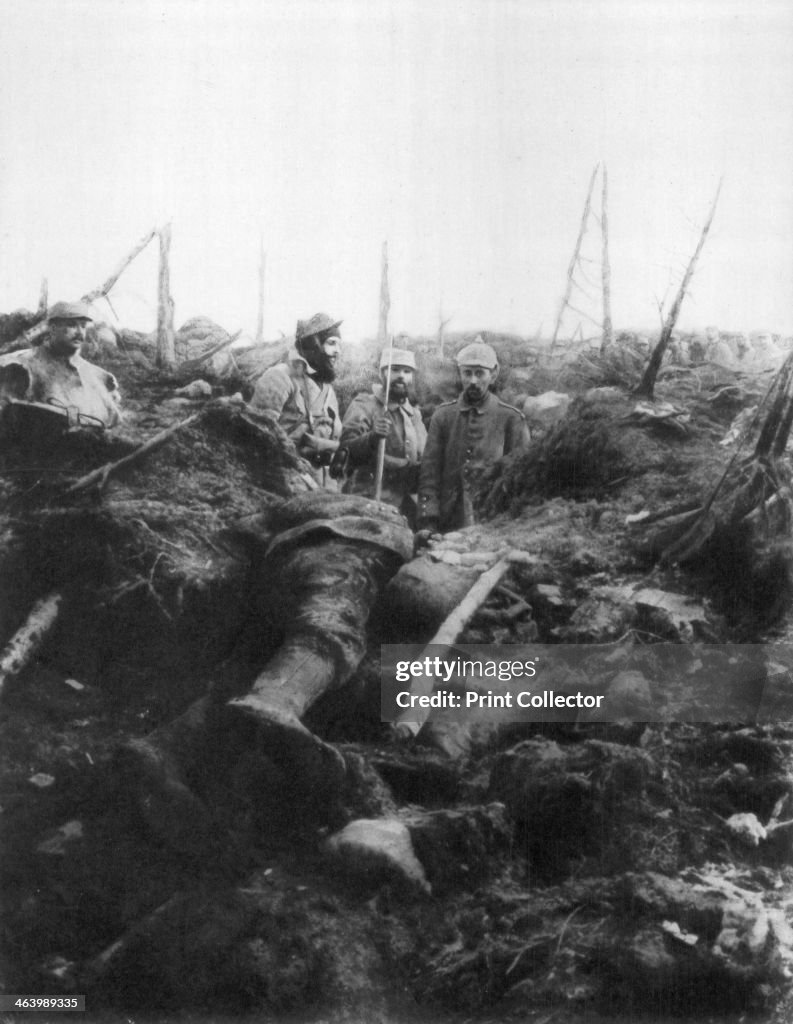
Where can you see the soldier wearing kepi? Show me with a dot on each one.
(55, 374)
(465, 438)
(372, 417)
(299, 393)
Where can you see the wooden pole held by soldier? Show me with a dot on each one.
(378, 476)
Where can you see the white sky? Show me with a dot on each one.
(463, 132)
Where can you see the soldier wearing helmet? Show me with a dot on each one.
(372, 416)
(299, 393)
(54, 373)
(465, 438)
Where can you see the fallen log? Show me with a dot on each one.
(100, 476)
(413, 719)
(28, 639)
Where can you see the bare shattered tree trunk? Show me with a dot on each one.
(166, 350)
(574, 261)
(608, 331)
(646, 388)
(43, 298)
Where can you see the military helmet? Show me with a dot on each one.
(70, 311)
(397, 357)
(318, 324)
(478, 354)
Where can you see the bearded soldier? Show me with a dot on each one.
(372, 417)
(299, 393)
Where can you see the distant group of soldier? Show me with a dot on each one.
(430, 475)
(755, 353)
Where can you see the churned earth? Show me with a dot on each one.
(548, 871)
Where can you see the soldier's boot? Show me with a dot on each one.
(292, 681)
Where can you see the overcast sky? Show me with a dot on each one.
(464, 133)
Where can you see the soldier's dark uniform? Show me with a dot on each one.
(463, 441)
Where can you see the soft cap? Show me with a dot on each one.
(318, 323)
(70, 311)
(397, 357)
(478, 354)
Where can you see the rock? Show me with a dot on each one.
(546, 409)
(673, 616)
(747, 828)
(629, 697)
(376, 850)
(41, 780)
(195, 389)
(459, 848)
(548, 605)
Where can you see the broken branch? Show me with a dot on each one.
(101, 475)
(28, 639)
(103, 289)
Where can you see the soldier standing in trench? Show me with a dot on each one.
(54, 373)
(465, 438)
(369, 419)
(299, 393)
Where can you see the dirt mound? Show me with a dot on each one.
(592, 865)
(591, 453)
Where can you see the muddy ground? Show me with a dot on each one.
(546, 871)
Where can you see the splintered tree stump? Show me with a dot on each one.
(753, 500)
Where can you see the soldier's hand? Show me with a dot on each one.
(381, 426)
(422, 539)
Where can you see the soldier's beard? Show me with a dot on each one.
(474, 393)
(324, 372)
(324, 366)
(398, 392)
